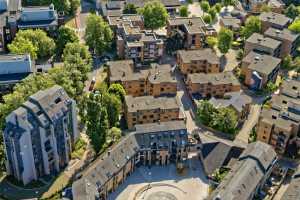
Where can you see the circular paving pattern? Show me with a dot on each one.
(161, 196)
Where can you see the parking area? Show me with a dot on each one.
(164, 182)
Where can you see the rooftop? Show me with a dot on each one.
(261, 40)
(293, 190)
(275, 18)
(207, 54)
(118, 20)
(135, 104)
(261, 63)
(15, 64)
(214, 79)
(192, 25)
(284, 34)
(229, 21)
(291, 88)
(166, 3)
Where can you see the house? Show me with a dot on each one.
(248, 175)
(289, 40)
(239, 102)
(212, 85)
(279, 124)
(167, 140)
(40, 134)
(13, 69)
(194, 29)
(149, 109)
(258, 69)
(198, 61)
(261, 44)
(274, 20)
(155, 80)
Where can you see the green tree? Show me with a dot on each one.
(218, 7)
(74, 6)
(98, 35)
(227, 3)
(291, 11)
(23, 46)
(211, 41)
(207, 19)
(183, 11)
(61, 5)
(113, 106)
(295, 26)
(118, 90)
(155, 15)
(213, 13)
(75, 48)
(130, 9)
(204, 6)
(225, 120)
(252, 25)
(205, 112)
(175, 41)
(271, 87)
(65, 35)
(114, 134)
(225, 38)
(43, 44)
(287, 62)
(265, 8)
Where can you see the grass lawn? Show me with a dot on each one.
(79, 149)
(71, 23)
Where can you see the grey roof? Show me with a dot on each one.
(247, 173)
(275, 18)
(293, 190)
(192, 25)
(214, 78)
(284, 34)
(261, 63)
(261, 40)
(118, 20)
(229, 21)
(109, 163)
(166, 3)
(160, 127)
(15, 64)
(161, 74)
(291, 88)
(135, 104)
(236, 100)
(207, 54)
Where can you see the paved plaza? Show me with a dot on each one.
(164, 183)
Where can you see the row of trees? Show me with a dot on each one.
(222, 119)
(211, 12)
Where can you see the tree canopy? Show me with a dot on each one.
(175, 41)
(225, 38)
(295, 26)
(155, 15)
(252, 25)
(291, 11)
(34, 42)
(130, 9)
(118, 90)
(183, 11)
(98, 35)
(211, 41)
(65, 35)
(204, 6)
(207, 19)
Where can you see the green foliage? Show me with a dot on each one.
(155, 15)
(265, 8)
(291, 11)
(98, 35)
(207, 19)
(240, 54)
(74, 6)
(204, 6)
(79, 149)
(295, 26)
(34, 42)
(189, 1)
(225, 38)
(219, 174)
(270, 87)
(252, 136)
(113, 106)
(218, 7)
(213, 13)
(228, 2)
(287, 62)
(114, 134)
(65, 35)
(118, 90)
(183, 11)
(211, 41)
(222, 119)
(130, 9)
(252, 25)
(175, 41)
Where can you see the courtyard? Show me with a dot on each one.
(164, 183)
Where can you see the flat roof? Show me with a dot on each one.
(207, 54)
(192, 24)
(275, 18)
(214, 79)
(261, 40)
(284, 34)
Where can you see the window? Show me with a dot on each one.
(57, 100)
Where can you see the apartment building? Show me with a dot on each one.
(289, 40)
(274, 20)
(150, 144)
(212, 85)
(133, 42)
(248, 174)
(259, 69)
(279, 124)
(39, 135)
(155, 80)
(261, 44)
(149, 109)
(292, 192)
(194, 30)
(13, 69)
(198, 61)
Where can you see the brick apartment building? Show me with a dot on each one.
(261, 44)
(289, 40)
(149, 109)
(194, 30)
(279, 125)
(133, 42)
(198, 61)
(274, 20)
(259, 69)
(212, 85)
(155, 80)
